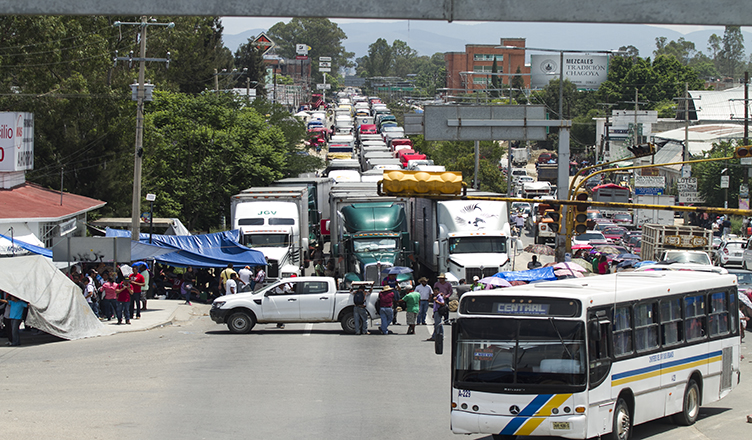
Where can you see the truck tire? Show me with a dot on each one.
(240, 323)
(348, 322)
(690, 406)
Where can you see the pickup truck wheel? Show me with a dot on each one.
(240, 322)
(348, 322)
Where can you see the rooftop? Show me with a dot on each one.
(33, 202)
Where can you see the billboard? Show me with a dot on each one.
(16, 141)
(585, 71)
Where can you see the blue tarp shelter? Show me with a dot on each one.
(540, 274)
(206, 250)
(29, 247)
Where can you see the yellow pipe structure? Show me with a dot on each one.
(637, 167)
(571, 184)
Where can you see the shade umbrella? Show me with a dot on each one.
(519, 282)
(627, 257)
(540, 249)
(583, 264)
(607, 250)
(643, 263)
(581, 246)
(568, 273)
(569, 265)
(496, 281)
(396, 270)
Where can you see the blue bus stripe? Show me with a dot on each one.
(528, 411)
(665, 365)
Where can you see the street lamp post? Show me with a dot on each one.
(151, 198)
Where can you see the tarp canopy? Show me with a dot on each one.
(11, 246)
(206, 250)
(540, 274)
(56, 304)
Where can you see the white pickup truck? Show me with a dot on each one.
(290, 300)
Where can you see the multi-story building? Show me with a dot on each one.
(471, 70)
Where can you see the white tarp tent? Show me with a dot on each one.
(56, 304)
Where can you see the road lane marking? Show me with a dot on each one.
(308, 328)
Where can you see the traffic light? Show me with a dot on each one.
(580, 214)
(642, 150)
(743, 151)
(405, 183)
(553, 212)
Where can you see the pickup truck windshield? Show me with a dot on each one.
(473, 245)
(495, 353)
(266, 240)
(374, 244)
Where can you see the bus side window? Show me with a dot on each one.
(622, 331)
(599, 353)
(646, 326)
(694, 317)
(671, 328)
(718, 319)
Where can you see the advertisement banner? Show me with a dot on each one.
(650, 182)
(585, 71)
(16, 141)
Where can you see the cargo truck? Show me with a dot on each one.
(318, 202)
(461, 238)
(375, 237)
(275, 222)
(653, 216)
(659, 239)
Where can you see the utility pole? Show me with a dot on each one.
(140, 98)
(606, 107)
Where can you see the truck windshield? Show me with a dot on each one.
(494, 353)
(266, 240)
(474, 245)
(374, 244)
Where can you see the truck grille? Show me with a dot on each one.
(486, 272)
(372, 272)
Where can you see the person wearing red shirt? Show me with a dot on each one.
(124, 291)
(109, 302)
(137, 282)
(386, 302)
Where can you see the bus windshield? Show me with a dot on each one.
(498, 354)
(477, 245)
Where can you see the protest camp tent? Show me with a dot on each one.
(56, 305)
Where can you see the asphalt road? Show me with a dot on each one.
(307, 381)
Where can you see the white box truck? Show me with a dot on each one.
(461, 238)
(275, 222)
(658, 217)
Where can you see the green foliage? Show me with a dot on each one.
(460, 156)
(324, 37)
(250, 57)
(708, 176)
(203, 149)
(731, 55)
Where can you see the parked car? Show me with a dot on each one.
(614, 233)
(730, 252)
(635, 244)
(590, 238)
(697, 257)
(622, 218)
(743, 278)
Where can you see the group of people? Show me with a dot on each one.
(113, 294)
(415, 303)
(14, 312)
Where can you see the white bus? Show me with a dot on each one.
(591, 357)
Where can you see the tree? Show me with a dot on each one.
(248, 56)
(379, 60)
(205, 148)
(495, 83)
(518, 84)
(684, 51)
(708, 176)
(431, 73)
(732, 52)
(324, 37)
(403, 59)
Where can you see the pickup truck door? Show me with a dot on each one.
(282, 303)
(316, 301)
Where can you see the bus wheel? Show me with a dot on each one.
(690, 407)
(622, 426)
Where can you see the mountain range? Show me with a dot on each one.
(429, 37)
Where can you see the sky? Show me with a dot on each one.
(236, 25)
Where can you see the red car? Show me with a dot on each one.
(614, 233)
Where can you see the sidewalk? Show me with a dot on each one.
(160, 312)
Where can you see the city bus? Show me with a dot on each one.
(592, 357)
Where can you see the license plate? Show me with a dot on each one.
(560, 425)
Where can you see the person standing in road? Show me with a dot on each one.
(438, 303)
(246, 278)
(15, 315)
(446, 291)
(260, 277)
(412, 307)
(109, 301)
(137, 283)
(124, 291)
(425, 291)
(534, 263)
(225, 275)
(147, 286)
(391, 281)
(90, 292)
(359, 312)
(231, 286)
(386, 302)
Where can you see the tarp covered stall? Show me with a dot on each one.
(15, 246)
(56, 304)
(206, 250)
(540, 274)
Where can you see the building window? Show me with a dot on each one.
(487, 57)
(480, 80)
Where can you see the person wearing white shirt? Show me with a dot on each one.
(231, 286)
(425, 292)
